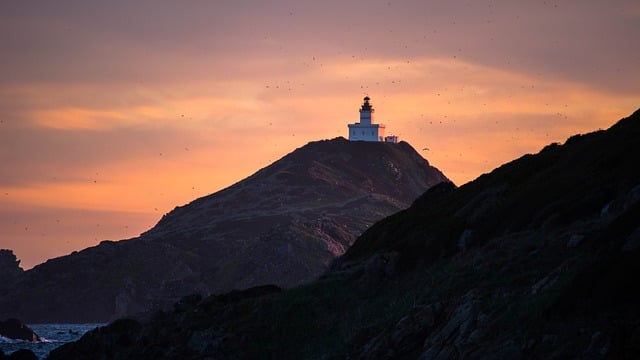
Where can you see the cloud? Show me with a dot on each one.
(150, 42)
(125, 107)
(78, 131)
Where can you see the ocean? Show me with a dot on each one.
(52, 335)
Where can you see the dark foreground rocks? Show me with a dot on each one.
(22, 354)
(129, 339)
(16, 330)
(114, 341)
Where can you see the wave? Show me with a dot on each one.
(7, 340)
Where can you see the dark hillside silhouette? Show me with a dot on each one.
(536, 260)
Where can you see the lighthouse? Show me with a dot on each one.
(366, 129)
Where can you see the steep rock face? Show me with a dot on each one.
(536, 260)
(10, 271)
(283, 225)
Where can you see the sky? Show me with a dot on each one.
(113, 113)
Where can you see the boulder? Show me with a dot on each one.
(15, 329)
(115, 341)
(22, 354)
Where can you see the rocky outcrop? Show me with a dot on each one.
(123, 338)
(115, 341)
(283, 225)
(16, 330)
(22, 354)
(10, 270)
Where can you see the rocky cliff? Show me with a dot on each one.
(535, 260)
(283, 225)
(10, 270)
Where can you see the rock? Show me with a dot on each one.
(22, 354)
(204, 341)
(598, 347)
(633, 242)
(15, 329)
(463, 240)
(551, 279)
(461, 322)
(120, 337)
(402, 340)
(362, 338)
(378, 348)
(461, 325)
(621, 204)
(410, 331)
(509, 350)
(606, 210)
(633, 197)
(575, 240)
(549, 339)
(543, 283)
(439, 353)
(634, 340)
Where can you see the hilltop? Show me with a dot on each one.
(535, 260)
(282, 225)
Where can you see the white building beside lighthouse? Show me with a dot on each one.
(366, 130)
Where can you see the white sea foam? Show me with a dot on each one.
(6, 340)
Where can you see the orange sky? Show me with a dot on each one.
(113, 113)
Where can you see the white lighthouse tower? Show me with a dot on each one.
(366, 130)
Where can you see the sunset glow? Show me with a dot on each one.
(113, 113)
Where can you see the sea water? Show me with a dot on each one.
(51, 335)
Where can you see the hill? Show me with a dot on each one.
(283, 225)
(535, 260)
